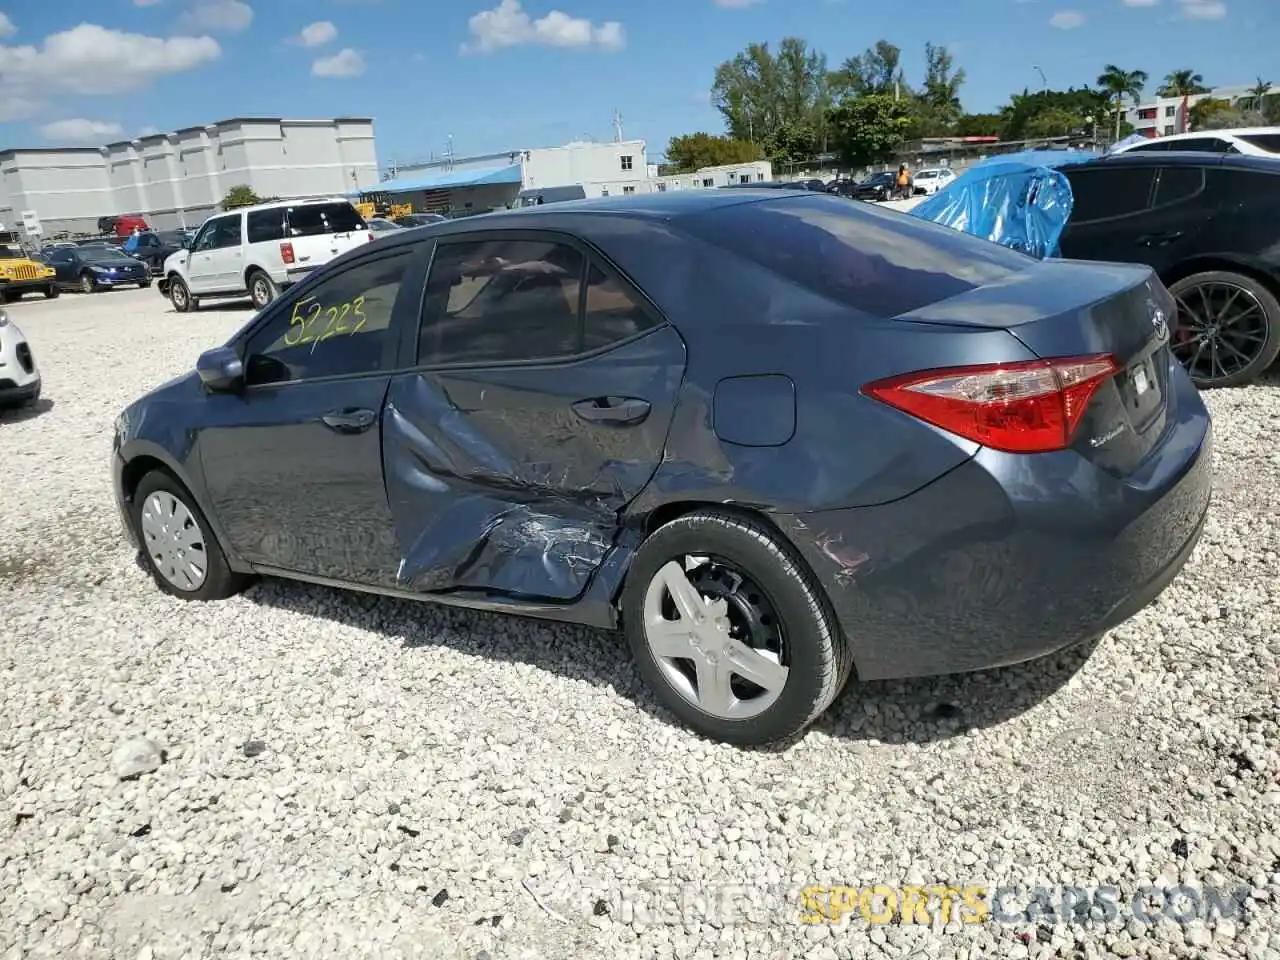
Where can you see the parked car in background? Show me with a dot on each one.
(1210, 228)
(1247, 141)
(20, 274)
(122, 225)
(878, 187)
(260, 250)
(762, 185)
(929, 181)
(951, 456)
(536, 196)
(92, 268)
(419, 219)
(383, 225)
(152, 249)
(19, 375)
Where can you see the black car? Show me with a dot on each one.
(1209, 225)
(830, 441)
(154, 248)
(92, 267)
(878, 187)
(418, 219)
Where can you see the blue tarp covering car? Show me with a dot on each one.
(1020, 200)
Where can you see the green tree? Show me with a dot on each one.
(1086, 105)
(979, 125)
(1119, 84)
(1213, 114)
(758, 93)
(1182, 83)
(1054, 122)
(241, 195)
(693, 151)
(877, 70)
(868, 129)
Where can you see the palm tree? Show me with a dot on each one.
(1118, 84)
(1185, 84)
(1259, 92)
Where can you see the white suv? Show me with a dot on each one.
(258, 251)
(1250, 141)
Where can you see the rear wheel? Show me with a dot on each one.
(261, 290)
(180, 295)
(178, 546)
(86, 283)
(1228, 329)
(731, 630)
(51, 291)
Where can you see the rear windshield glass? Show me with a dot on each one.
(1267, 141)
(318, 218)
(881, 262)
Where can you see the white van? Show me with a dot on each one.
(258, 251)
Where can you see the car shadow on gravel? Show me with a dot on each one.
(901, 711)
(28, 411)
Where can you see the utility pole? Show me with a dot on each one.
(449, 152)
(1043, 79)
(617, 126)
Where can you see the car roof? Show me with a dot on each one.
(276, 204)
(1181, 158)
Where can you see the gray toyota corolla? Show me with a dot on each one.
(778, 438)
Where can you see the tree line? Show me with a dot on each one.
(789, 105)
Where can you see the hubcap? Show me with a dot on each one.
(1222, 328)
(716, 638)
(173, 541)
(260, 292)
(179, 294)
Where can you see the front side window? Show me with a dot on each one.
(494, 301)
(219, 233)
(204, 239)
(340, 326)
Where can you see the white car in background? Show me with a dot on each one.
(1250, 141)
(931, 180)
(257, 251)
(19, 375)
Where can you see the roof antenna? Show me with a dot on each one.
(617, 126)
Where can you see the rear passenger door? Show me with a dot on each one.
(538, 408)
(1109, 210)
(1180, 213)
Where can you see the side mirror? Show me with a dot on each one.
(221, 370)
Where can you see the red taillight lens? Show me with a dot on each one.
(1031, 407)
(286, 252)
(371, 236)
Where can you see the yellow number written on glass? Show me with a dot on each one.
(304, 328)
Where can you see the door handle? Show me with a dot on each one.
(617, 411)
(349, 421)
(1159, 239)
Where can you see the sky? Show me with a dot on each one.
(500, 75)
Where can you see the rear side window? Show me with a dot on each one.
(316, 219)
(1202, 145)
(266, 225)
(611, 312)
(1151, 147)
(881, 263)
(1105, 193)
(1178, 185)
(1264, 141)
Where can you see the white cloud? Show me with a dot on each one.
(507, 25)
(1067, 20)
(81, 131)
(224, 16)
(7, 29)
(1203, 9)
(344, 63)
(318, 34)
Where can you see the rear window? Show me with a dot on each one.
(880, 262)
(314, 219)
(1266, 141)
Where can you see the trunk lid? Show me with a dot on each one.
(1064, 309)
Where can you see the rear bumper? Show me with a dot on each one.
(1006, 559)
(14, 392)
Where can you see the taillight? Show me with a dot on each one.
(1026, 407)
(371, 236)
(286, 252)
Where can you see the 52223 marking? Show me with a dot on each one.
(313, 323)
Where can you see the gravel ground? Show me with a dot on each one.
(345, 776)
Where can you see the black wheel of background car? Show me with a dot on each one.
(51, 291)
(144, 284)
(86, 283)
(731, 630)
(178, 548)
(1228, 328)
(180, 295)
(261, 290)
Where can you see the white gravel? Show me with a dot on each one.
(343, 776)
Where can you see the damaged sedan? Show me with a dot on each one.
(778, 439)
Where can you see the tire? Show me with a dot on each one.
(86, 283)
(1248, 309)
(180, 295)
(51, 292)
(261, 289)
(144, 284)
(7, 296)
(811, 645)
(157, 491)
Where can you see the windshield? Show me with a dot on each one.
(1265, 141)
(104, 255)
(314, 219)
(879, 178)
(8, 253)
(926, 175)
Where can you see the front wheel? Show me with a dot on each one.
(731, 630)
(144, 284)
(180, 295)
(86, 283)
(51, 291)
(178, 547)
(1228, 328)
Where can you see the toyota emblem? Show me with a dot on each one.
(1158, 319)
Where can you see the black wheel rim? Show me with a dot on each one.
(1222, 329)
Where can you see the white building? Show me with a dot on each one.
(1165, 116)
(176, 179)
(602, 169)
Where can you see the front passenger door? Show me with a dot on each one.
(201, 269)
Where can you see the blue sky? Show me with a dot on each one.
(501, 74)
